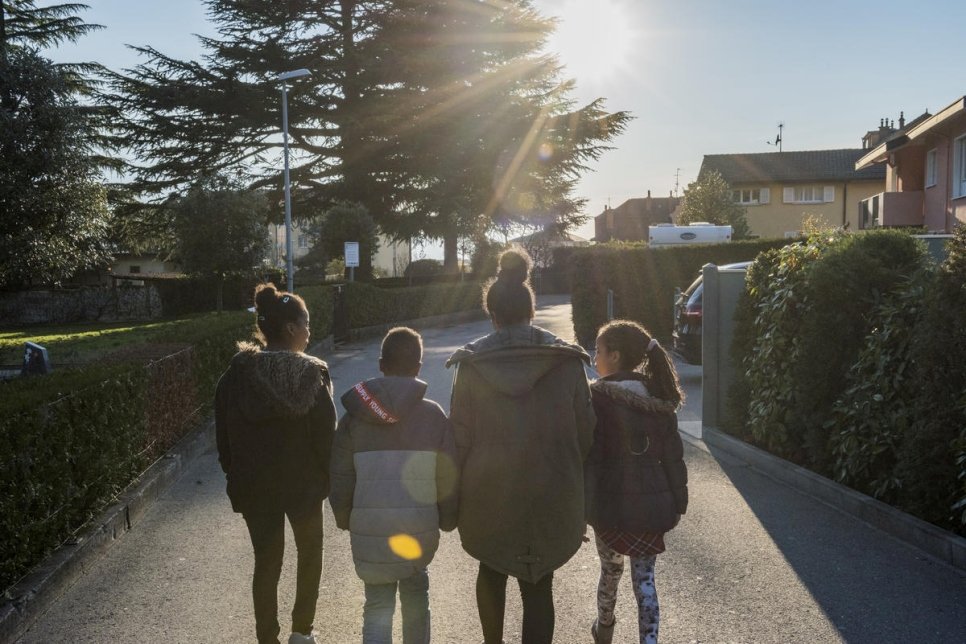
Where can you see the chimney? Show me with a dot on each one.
(902, 120)
(648, 194)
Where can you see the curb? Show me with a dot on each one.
(33, 595)
(944, 546)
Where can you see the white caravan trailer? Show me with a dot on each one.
(695, 233)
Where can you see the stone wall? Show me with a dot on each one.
(85, 304)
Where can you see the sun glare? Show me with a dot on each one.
(594, 38)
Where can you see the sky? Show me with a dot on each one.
(699, 76)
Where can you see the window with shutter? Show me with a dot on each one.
(788, 195)
(765, 196)
(829, 195)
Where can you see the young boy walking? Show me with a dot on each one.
(394, 479)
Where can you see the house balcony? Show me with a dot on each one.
(892, 209)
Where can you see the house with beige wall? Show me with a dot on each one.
(925, 166)
(781, 189)
(390, 260)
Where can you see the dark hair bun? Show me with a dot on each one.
(265, 296)
(514, 266)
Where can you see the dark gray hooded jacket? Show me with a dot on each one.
(394, 477)
(524, 424)
(274, 420)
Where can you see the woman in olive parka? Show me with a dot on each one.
(524, 422)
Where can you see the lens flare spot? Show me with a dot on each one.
(405, 546)
(545, 151)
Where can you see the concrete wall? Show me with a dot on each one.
(88, 304)
(722, 288)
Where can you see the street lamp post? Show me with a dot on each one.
(284, 76)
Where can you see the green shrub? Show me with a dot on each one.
(873, 416)
(643, 280)
(780, 304)
(184, 295)
(932, 457)
(320, 301)
(811, 315)
(844, 288)
(71, 440)
(370, 306)
(423, 267)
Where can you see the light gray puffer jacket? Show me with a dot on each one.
(394, 477)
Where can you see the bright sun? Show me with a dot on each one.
(594, 38)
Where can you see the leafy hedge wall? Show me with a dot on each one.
(72, 440)
(369, 305)
(643, 280)
(852, 349)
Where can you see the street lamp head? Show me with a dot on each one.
(295, 73)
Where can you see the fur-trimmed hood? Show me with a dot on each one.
(279, 383)
(628, 389)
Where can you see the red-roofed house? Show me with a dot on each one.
(925, 167)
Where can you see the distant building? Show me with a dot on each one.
(781, 189)
(925, 173)
(630, 220)
(390, 260)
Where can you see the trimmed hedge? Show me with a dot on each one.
(72, 440)
(184, 295)
(369, 305)
(643, 280)
(852, 349)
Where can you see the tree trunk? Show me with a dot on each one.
(451, 253)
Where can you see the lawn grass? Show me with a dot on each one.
(78, 344)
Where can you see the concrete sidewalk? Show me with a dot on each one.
(752, 561)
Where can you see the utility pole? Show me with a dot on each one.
(677, 181)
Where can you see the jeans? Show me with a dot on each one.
(267, 531)
(381, 604)
(642, 576)
(538, 615)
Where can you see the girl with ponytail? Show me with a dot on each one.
(635, 475)
(274, 422)
(523, 421)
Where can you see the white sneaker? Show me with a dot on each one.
(298, 638)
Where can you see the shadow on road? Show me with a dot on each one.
(872, 587)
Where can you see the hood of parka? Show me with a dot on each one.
(514, 358)
(383, 401)
(627, 388)
(278, 383)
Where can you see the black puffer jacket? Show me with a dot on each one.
(275, 420)
(636, 480)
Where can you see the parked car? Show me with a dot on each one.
(688, 311)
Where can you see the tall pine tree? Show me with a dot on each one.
(54, 212)
(436, 115)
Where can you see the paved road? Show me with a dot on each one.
(753, 561)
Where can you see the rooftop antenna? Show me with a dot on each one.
(778, 139)
(677, 181)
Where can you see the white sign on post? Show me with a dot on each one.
(351, 254)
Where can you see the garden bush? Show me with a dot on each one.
(643, 280)
(852, 350)
(811, 313)
(184, 295)
(71, 440)
(370, 306)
